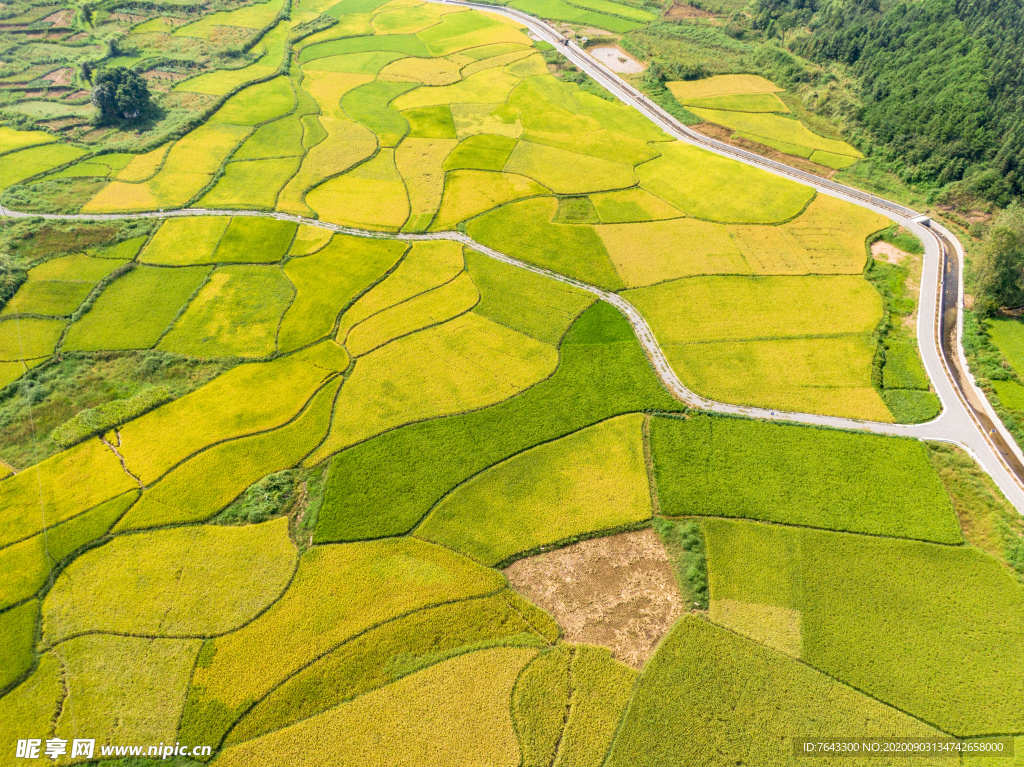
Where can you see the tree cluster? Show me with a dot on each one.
(1000, 265)
(119, 94)
(942, 85)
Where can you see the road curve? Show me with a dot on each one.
(966, 418)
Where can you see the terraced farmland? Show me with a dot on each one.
(323, 543)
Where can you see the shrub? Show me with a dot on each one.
(119, 94)
(98, 420)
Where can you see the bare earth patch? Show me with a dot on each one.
(616, 59)
(684, 11)
(616, 592)
(885, 251)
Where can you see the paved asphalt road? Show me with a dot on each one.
(958, 423)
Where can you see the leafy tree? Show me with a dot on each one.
(119, 94)
(1000, 266)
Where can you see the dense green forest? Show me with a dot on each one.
(942, 83)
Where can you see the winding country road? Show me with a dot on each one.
(967, 418)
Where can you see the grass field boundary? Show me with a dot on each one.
(327, 380)
(435, 324)
(184, 307)
(839, 681)
(134, 635)
(55, 570)
(797, 526)
(538, 549)
(652, 485)
(417, 295)
(362, 632)
(295, 295)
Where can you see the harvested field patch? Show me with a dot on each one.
(417, 717)
(616, 592)
(537, 306)
(395, 649)
(522, 230)
(196, 490)
(337, 592)
(631, 205)
(163, 582)
(683, 173)
(327, 281)
(656, 251)
(419, 161)
(566, 172)
(235, 314)
(714, 697)
(48, 298)
(385, 485)
(799, 475)
(28, 338)
(226, 408)
(427, 265)
(469, 193)
(462, 365)
(589, 481)
(185, 241)
(257, 104)
(431, 308)
(124, 688)
(372, 196)
(150, 295)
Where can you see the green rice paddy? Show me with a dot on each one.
(408, 418)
